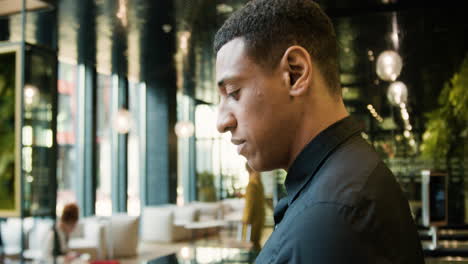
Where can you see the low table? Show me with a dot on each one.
(211, 255)
(204, 227)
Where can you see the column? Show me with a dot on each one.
(87, 96)
(159, 73)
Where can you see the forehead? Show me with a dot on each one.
(232, 61)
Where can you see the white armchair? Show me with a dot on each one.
(122, 235)
(39, 232)
(159, 223)
(89, 237)
(168, 223)
(110, 237)
(233, 209)
(11, 236)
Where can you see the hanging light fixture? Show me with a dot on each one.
(389, 65)
(397, 93)
(123, 121)
(30, 93)
(184, 129)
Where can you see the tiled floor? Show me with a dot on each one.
(148, 251)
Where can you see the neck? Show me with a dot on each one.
(318, 116)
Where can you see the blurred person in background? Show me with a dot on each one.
(254, 211)
(56, 243)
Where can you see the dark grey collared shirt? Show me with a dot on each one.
(343, 206)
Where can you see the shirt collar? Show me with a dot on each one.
(315, 152)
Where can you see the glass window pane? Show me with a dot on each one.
(66, 127)
(104, 140)
(134, 153)
(217, 157)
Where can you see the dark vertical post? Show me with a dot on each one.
(46, 32)
(4, 28)
(159, 74)
(87, 146)
(120, 178)
(120, 87)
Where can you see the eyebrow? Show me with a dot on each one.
(223, 81)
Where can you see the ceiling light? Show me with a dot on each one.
(407, 134)
(30, 93)
(123, 121)
(167, 28)
(397, 93)
(184, 129)
(223, 8)
(405, 115)
(389, 65)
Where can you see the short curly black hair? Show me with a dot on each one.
(269, 27)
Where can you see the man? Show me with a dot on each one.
(254, 210)
(277, 73)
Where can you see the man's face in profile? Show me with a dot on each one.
(255, 107)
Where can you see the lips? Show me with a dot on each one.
(239, 143)
(239, 148)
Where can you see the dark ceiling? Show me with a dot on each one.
(432, 41)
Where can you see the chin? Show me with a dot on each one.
(259, 166)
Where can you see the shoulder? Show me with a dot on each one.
(321, 230)
(345, 175)
(322, 217)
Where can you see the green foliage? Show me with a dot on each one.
(446, 129)
(7, 130)
(206, 188)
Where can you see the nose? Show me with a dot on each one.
(226, 120)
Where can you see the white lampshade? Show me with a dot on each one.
(123, 121)
(184, 129)
(389, 65)
(397, 93)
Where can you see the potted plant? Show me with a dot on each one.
(446, 133)
(206, 188)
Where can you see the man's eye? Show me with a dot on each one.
(234, 94)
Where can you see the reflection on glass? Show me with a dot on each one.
(38, 142)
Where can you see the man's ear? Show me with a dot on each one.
(296, 65)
